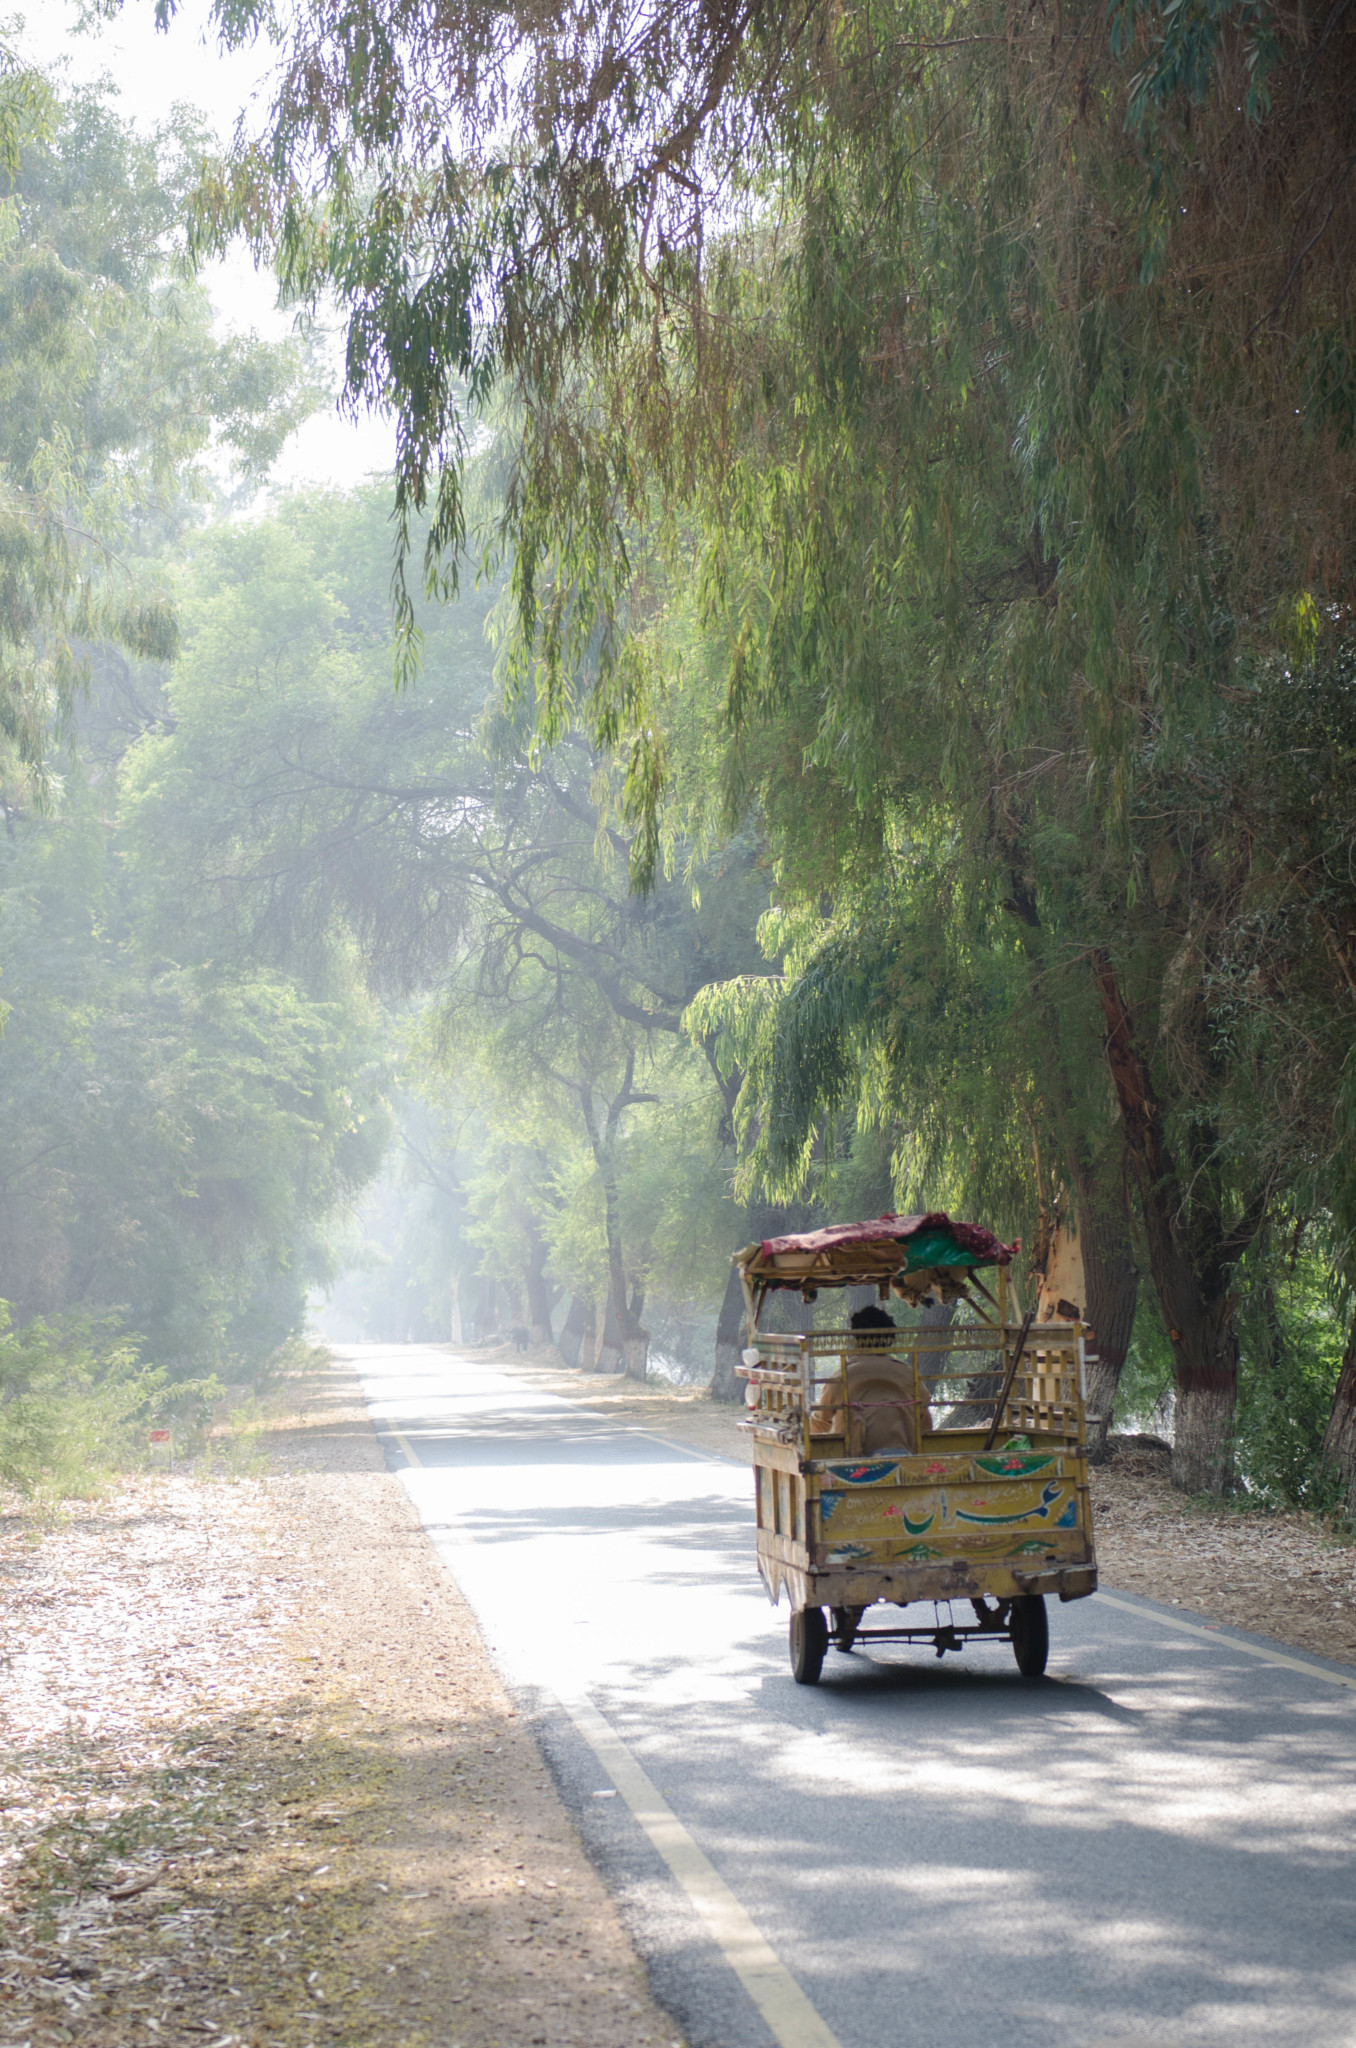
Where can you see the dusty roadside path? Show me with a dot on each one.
(259, 1783)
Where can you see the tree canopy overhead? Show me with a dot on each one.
(1122, 237)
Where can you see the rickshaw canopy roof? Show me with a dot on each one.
(848, 1254)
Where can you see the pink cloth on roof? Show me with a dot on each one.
(971, 1237)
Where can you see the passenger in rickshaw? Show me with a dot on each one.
(878, 1410)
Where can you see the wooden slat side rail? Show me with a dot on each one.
(954, 1369)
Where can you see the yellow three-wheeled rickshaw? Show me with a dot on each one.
(930, 1462)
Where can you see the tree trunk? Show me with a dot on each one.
(1110, 1276)
(577, 1326)
(1339, 1438)
(632, 1341)
(538, 1287)
(1203, 1419)
(1191, 1253)
(612, 1350)
(636, 1356)
(485, 1317)
(622, 1330)
(1110, 1284)
(635, 1341)
(1191, 1265)
(729, 1342)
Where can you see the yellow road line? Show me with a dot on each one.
(407, 1448)
(1211, 1635)
(790, 2017)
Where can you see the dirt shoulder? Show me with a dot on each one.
(261, 1784)
(1284, 1576)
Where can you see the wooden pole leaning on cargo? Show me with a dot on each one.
(1008, 1377)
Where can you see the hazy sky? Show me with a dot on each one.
(151, 73)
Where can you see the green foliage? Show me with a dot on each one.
(113, 394)
(894, 1016)
(1186, 48)
(73, 1398)
(772, 291)
(176, 1136)
(293, 798)
(1292, 1347)
(1144, 1396)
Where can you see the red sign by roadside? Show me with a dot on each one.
(160, 1436)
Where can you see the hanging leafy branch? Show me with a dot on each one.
(112, 393)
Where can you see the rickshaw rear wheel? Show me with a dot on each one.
(1030, 1627)
(846, 1622)
(809, 1641)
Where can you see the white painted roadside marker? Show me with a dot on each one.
(1216, 1635)
(791, 2019)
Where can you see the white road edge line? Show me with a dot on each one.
(1212, 1635)
(791, 2019)
(690, 1451)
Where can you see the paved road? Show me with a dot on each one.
(1153, 1845)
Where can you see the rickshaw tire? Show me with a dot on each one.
(809, 1641)
(1029, 1624)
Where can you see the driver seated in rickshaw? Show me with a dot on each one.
(879, 1408)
